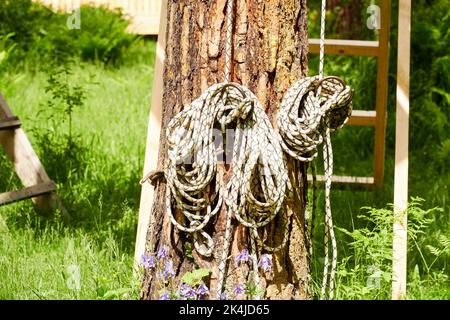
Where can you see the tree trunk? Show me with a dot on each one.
(269, 54)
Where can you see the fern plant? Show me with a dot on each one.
(366, 271)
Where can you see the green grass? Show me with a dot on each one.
(100, 186)
(98, 181)
(37, 265)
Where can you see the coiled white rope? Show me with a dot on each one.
(311, 109)
(256, 190)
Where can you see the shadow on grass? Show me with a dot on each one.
(100, 193)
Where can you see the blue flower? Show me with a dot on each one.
(239, 290)
(163, 253)
(148, 261)
(242, 257)
(168, 270)
(187, 292)
(224, 296)
(265, 262)
(164, 296)
(202, 290)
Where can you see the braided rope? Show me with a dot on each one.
(228, 44)
(311, 109)
(227, 239)
(256, 190)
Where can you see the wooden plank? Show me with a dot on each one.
(363, 118)
(143, 14)
(27, 193)
(382, 93)
(346, 47)
(9, 123)
(399, 267)
(5, 110)
(26, 162)
(347, 181)
(153, 137)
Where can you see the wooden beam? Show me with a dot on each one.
(382, 93)
(26, 162)
(153, 136)
(27, 193)
(346, 47)
(347, 181)
(9, 123)
(399, 268)
(363, 118)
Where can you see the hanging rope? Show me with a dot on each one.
(227, 238)
(256, 190)
(328, 167)
(311, 109)
(255, 193)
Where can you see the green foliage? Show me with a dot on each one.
(195, 277)
(98, 173)
(366, 270)
(101, 36)
(65, 96)
(6, 48)
(25, 19)
(36, 261)
(98, 180)
(40, 33)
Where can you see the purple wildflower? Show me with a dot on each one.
(242, 257)
(187, 292)
(224, 296)
(202, 290)
(148, 261)
(239, 290)
(163, 253)
(164, 296)
(265, 262)
(168, 270)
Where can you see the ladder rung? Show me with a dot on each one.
(9, 123)
(367, 182)
(26, 193)
(363, 118)
(346, 47)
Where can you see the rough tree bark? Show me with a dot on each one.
(269, 54)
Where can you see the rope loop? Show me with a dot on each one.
(308, 108)
(256, 190)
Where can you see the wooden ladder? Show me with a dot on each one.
(38, 186)
(374, 118)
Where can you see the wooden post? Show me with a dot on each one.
(153, 137)
(399, 274)
(382, 92)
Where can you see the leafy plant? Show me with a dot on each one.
(366, 271)
(195, 277)
(41, 34)
(65, 96)
(6, 48)
(63, 149)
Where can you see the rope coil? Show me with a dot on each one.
(311, 109)
(308, 108)
(257, 188)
